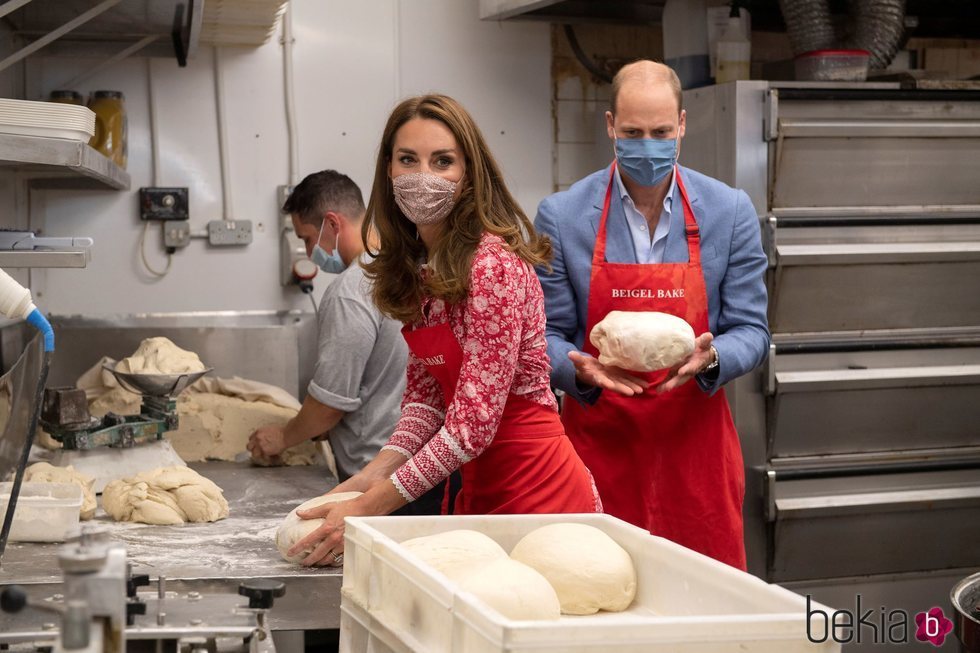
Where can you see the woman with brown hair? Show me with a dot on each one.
(455, 266)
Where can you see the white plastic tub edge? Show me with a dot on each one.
(45, 512)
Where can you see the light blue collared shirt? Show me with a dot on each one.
(648, 250)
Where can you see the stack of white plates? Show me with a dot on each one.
(47, 119)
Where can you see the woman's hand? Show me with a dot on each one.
(327, 541)
(590, 371)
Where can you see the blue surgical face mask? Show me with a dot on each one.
(646, 160)
(331, 263)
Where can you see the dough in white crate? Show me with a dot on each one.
(642, 341)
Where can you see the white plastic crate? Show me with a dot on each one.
(685, 602)
(46, 512)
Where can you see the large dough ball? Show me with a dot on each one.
(293, 529)
(588, 570)
(513, 589)
(160, 356)
(642, 341)
(167, 495)
(455, 553)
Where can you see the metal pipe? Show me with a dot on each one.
(878, 27)
(809, 25)
(290, 92)
(57, 33)
(11, 5)
(219, 100)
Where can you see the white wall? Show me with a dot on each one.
(353, 60)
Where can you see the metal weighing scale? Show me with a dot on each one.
(116, 446)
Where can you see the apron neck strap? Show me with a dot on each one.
(692, 232)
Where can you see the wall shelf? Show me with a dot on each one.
(61, 163)
(40, 258)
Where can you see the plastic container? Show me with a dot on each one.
(733, 53)
(67, 97)
(685, 602)
(833, 66)
(111, 127)
(46, 512)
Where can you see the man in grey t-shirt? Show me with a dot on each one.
(356, 391)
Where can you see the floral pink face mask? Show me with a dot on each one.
(424, 198)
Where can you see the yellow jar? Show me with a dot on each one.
(110, 125)
(67, 97)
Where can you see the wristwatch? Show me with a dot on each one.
(714, 360)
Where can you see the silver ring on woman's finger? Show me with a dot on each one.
(338, 558)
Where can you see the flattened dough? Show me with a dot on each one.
(587, 568)
(293, 529)
(160, 356)
(456, 553)
(48, 473)
(513, 589)
(168, 495)
(642, 341)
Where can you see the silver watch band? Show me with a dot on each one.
(714, 362)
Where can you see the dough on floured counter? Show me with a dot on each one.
(47, 473)
(160, 356)
(212, 426)
(166, 496)
(293, 528)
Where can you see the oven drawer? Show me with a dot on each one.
(873, 524)
(865, 401)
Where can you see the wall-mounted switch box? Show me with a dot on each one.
(163, 204)
(177, 234)
(229, 232)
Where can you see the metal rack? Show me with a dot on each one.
(61, 163)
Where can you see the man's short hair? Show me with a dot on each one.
(648, 72)
(320, 192)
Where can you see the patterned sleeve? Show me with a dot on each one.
(492, 320)
(423, 409)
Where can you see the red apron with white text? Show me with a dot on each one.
(529, 467)
(670, 463)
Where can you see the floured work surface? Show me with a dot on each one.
(207, 556)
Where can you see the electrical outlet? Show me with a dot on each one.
(163, 204)
(177, 234)
(229, 232)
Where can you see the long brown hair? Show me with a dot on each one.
(484, 205)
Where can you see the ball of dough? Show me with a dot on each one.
(513, 589)
(48, 473)
(293, 529)
(455, 553)
(642, 341)
(588, 570)
(167, 495)
(160, 356)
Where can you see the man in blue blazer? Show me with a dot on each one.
(647, 235)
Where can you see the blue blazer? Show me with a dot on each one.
(731, 256)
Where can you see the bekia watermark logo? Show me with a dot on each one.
(932, 626)
(878, 626)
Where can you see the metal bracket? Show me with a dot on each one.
(769, 240)
(181, 33)
(771, 371)
(770, 117)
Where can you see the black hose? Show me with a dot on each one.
(8, 518)
(584, 59)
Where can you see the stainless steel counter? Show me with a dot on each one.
(217, 556)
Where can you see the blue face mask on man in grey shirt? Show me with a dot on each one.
(331, 263)
(646, 160)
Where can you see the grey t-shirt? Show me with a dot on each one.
(360, 369)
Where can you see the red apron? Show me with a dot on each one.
(529, 467)
(669, 463)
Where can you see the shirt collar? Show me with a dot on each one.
(668, 199)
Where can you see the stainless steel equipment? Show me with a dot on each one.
(860, 436)
(101, 611)
(965, 598)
